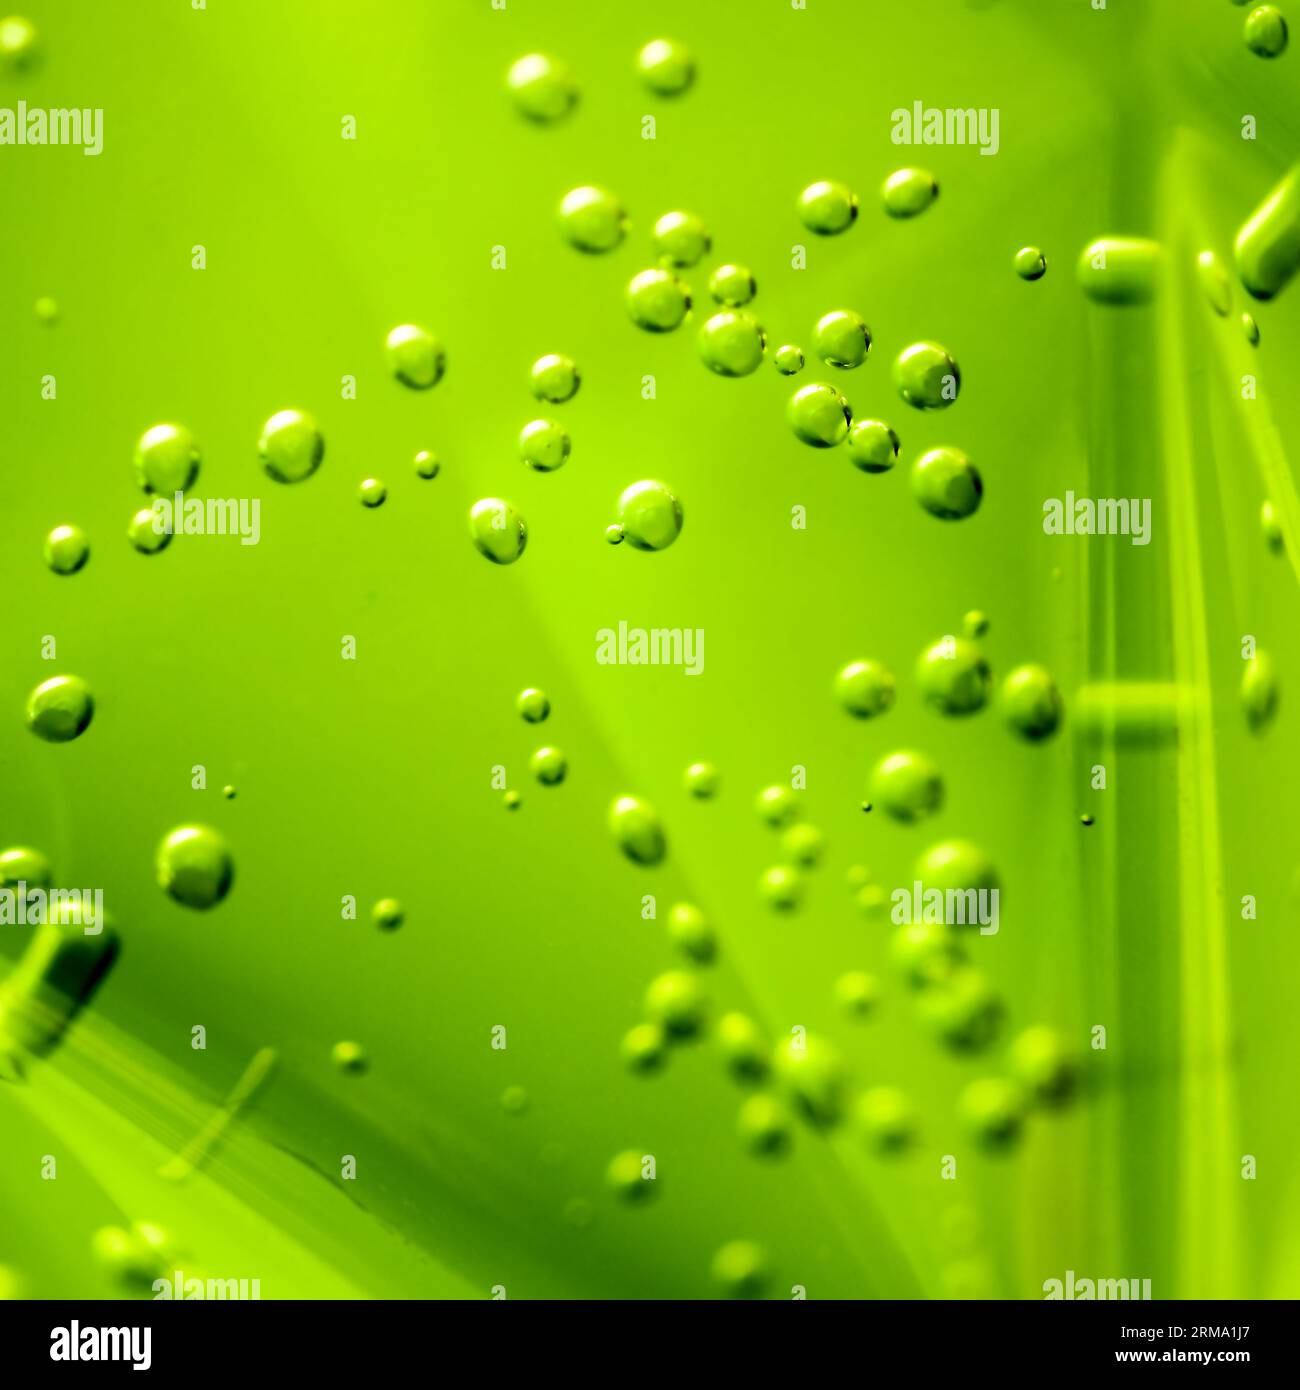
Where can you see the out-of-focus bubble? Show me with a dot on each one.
(994, 1111)
(1265, 31)
(644, 1048)
(1259, 692)
(549, 766)
(857, 993)
(350, 1057)
(542, 88)
(740, 1269)
(666, 67)
(782, 888)
(388, 914)
(1031, 703)
(811, 1073)
(777, 805)
(744, 1048)
(702, 780)
(692, 933)
(676, 1002)
(954, 676)
(764, 1127)
(907, 785)
(885, 1119)
(864, 688)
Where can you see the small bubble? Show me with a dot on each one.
(19, 43)
(927, 377)
(512, 801)
(1119, 270)
(1265, 31)
(66, 549)
(743, 1047)
(864, 688)
(650, 515)
(229, 793)
(60, 709)
(166, 460)
(781, 887)
(579, 1213)
(994, 1111)
(21, 864)
(533, 705)
(731, 343)
(812, 1074)
(666, 67)
(1044, 1065)
(732, 285)
(372, 493)
(144, 535)
(789, 359)
(954, 676)
(544, 445)
(1085, 819)
(427, 465)
(885, 1119)
(956, 866)
(702, 780)
(1031, 703)
(592, 219)
(764, 1127)
(1259, 692)
(291, 446)
(1251, 329)
(549, 766)
(657, 300)
(555, 378)
(637, 830)
(908, 785)
(777, 806)
(740, 1268)
(514, 1100)
(498, 531)
(194, 866)
(947, 484)
(692, 933)
(1214, 283)
(925, 954)
(805, 845)
(873, 446)
(841, 339)
(681, 239)
(47, 310)
(675, 1000)
(827, 207)
(387, 914)
(542, 88)
(1030, 263)
(415, 357)
(963, 1011)
(644, 1048)
(614, 534)
(819, 415)
(1268, 244)
(857, 993)
(907, 192)
(350, 1057)
(1271, 528)
(975, 623)
(625, 1178)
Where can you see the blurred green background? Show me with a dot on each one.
(373, 777)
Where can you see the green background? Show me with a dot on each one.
(372, 777)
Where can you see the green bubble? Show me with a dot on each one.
(1031, 703)
(885, 1119)
(533, 705)
(644, 1048)
(947, 484)
(21, 864)
(555, 378)
(954, 676)
(291, 446)
(427, 465)
(1259, 692)
(166, 459)
(1043, 1064)
(782, 888)
(681, 239)
(907, 785)
(387, 914)
(873, 446)
(864, 688)
(975, 623)
(657, 300)
(592, 219)
(827, 207)
(350, 1057)
(804, 845)
(130, 1257)
(144, 535)
(614, 534)
(542, 88)
(744, 1048)
(789, 359)
(841, 339)
(963, 1010)
(732, 285)
(194, 866)
(19, 43)
(777, 806)
(1119, 270)
(549, 766)
(956, 866)
(544, 445)
(415, 356)
(60, 709)
(857, 993)
(692, 933)
(1268, 245)
(372, 493)
(650, 515)
(1214, 283)
(811, 1072)
(512, 800)
(764, 1127)
(927, 376)
(1030, 263)
(925, 953)
(676, 1002)
(1271, 528)
(627, 1179)
(498, 531)
(819, 415)
(907, 192)
(740, 1268)
(47, 310)
(514, 1100)
(666, 67)
(1250, 329)
(637, 830)
(731, 343)
(66, 549)
(702, 780)
(1265, 31)
(994, 1111)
